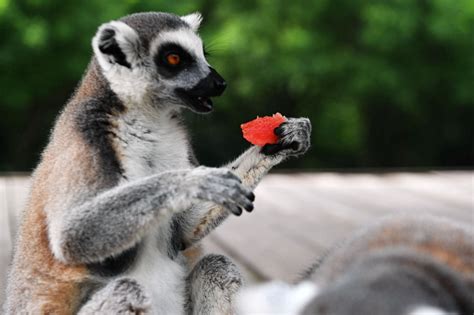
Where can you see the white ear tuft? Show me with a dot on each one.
(116, 43)
(193, 20)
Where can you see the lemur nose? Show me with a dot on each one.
(220, 85)
(218, 82)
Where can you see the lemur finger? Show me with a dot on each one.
(233, 208)
(242, 197)
(248, 207)
(238, 195)
(307, 124)
(251, 196)
(225, 191)
(242, 201)
(280, 129)
(271, 149)
(295, 145)
(246, 192)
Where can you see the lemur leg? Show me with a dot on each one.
(121, 296)
(117, 219)
(212, 286)
(250, 167)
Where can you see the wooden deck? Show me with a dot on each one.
(298, 216)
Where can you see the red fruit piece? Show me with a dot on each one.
(260, 130)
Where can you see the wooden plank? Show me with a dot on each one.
(320, 222)
(313, 197)
(282, 218)
(289, 241)
(273, 259)
(265, 255)
(446, 194)
(263, 244)
(380, 196)
(5, 239)
(463, 180)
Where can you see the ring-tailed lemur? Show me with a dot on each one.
(117, 204)
(402, 265)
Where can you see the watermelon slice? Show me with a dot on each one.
(260, 130)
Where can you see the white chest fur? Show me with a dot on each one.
(162, 278)
(150, 142)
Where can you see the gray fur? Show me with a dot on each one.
(121, 296)
(149, 24)
(295, 134)
(114, 220)
(214, 278)
(397, 276)
(396, 281)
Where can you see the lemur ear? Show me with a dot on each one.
(193, 20)
(116, 43)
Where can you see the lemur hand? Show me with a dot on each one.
(220, 186)
(294, 135)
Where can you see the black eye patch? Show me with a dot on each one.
(162, 59)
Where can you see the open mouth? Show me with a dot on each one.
(200, 104)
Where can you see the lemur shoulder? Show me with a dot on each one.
(117, 200)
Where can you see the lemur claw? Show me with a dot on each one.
(294, 135)
(221, 186)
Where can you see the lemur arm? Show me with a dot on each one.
(250, 167)
(116, 220)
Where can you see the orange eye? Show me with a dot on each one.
(173, 59)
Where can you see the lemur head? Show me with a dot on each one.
(157, 58)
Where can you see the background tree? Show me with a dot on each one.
(385, 83)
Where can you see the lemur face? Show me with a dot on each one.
(157, 58)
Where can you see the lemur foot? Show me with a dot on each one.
(295, 135)
(220, 186)
(122, 296)
(213, 285)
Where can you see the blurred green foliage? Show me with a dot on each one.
(385, 83)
